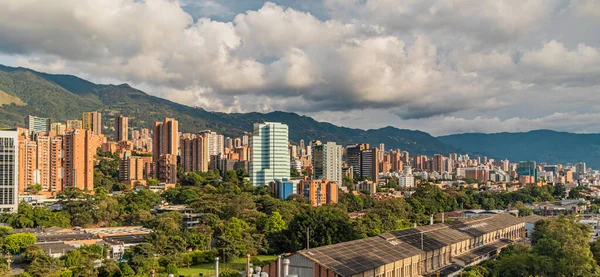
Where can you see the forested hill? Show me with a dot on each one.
(61, 97)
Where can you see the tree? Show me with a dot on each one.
(17, 243)
(274, 223)
(126, 270)
(195, 239)
(34, 188)
(73, 258)
(327, 225)
(352, 201)
(109, 269)
(44, 265)
(234, 240)
(172, 269)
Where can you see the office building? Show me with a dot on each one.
(282, 189)
(269, 158)
(318, 192)
(194, 154)
(165, 145)
(327, 161)
(121, 128)
(369, 166)
(528, 169)
(79, 147)
(353, 157)
(92, 121)
(37, 124)
(9, 170)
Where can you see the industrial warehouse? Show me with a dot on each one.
(438, 250)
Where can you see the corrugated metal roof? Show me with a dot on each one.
(353, 257)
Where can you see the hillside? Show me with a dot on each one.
(540, 145)
(63, 97)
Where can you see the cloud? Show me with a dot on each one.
(417, 61)
(489, 21)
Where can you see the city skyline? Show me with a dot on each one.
(521, 65)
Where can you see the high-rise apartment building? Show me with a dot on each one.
(396, 161)
(79, 150)
(131, 168)
(9, 171)
(216, 142)
(327, 161)
(41, 162)
(438, 163)
(74, 124)
(228, 143)
(164, 150)
(369, 166)
(269, 158)
(381, 151)
(37, 124)
(319, 192)
(580, 168)
(58, 129)
(92, 121)
(353, 157)
(121, 128)
(245, 140)
(194, 154)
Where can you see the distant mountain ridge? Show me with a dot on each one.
(62, 97)
(539, 145)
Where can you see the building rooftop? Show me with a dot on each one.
(353, 257)
(118, 231)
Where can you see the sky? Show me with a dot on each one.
(444, 67)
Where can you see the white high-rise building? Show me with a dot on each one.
(406, 179)
(269, 157)
(216, 142)
(327, 162)
(9, 171)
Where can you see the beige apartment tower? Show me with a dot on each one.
(121, 128)
(165, 144)
(194, 154)
(93, 121)
(79, 149)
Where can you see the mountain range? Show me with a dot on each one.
(61, 97)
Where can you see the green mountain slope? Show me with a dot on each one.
(63, 97)
(540, 145)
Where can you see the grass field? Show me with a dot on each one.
(208, 270)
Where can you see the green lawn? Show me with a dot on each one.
(208, 270)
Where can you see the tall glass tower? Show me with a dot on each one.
(9, 161)
(269, 157)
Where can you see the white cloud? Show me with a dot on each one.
(425, 61)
